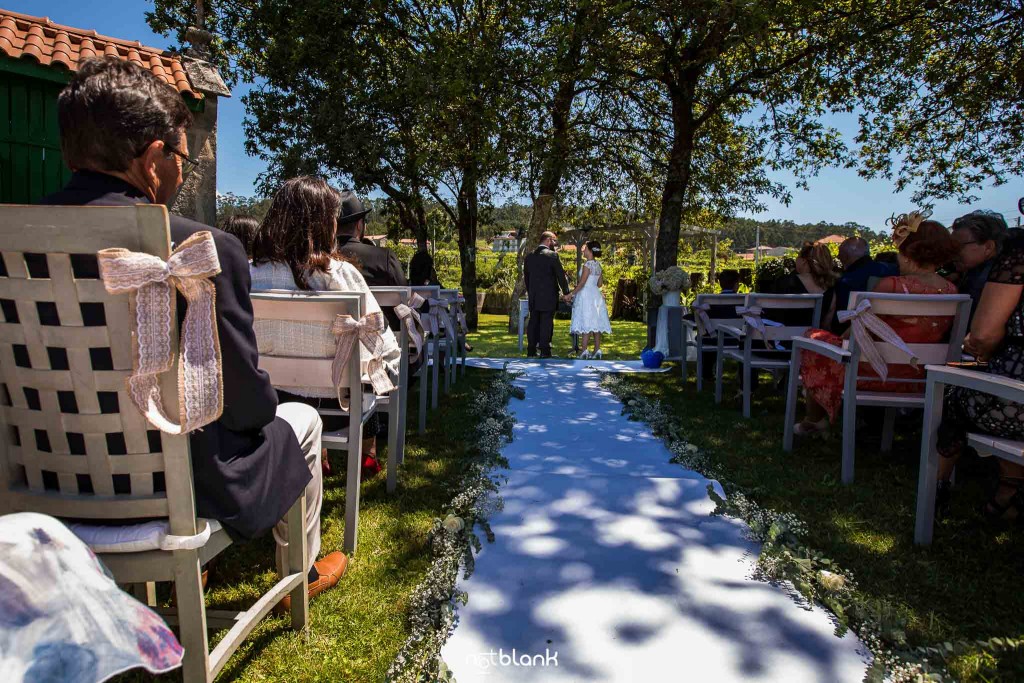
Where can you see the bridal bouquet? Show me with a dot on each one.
(672, 279)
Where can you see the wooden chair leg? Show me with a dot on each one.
(188, 588)
(299, 561)
(685, 362)
(849, 434)
(888, 429)
(700, 364)
(746, 388)
(435, 371)
(719, 365)
(792, 394)
(424, 381)
(353, 484)
(393, 415)
(403, 415)
(928, 472)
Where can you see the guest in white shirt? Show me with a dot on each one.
(295, 249)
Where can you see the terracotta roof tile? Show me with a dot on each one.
(50, 44)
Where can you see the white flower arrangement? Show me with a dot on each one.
(672, 279)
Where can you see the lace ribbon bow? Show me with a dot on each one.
(413, 323)
(862, 323)
(431, 316)
(752, 316)
(368, 330)
(151, 283)
(701, 317)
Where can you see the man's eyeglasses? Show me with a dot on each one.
(188, 164)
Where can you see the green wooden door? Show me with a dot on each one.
(30, 161)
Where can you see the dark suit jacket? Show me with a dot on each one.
(248, 467)
(379, 266)
(855, 279)
(545, 277)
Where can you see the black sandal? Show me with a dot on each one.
(994, 512)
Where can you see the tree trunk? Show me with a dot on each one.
(468, 216)
(677, 182)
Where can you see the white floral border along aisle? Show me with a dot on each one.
(433, 605)
(784, 557)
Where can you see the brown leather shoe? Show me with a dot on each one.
(331, 568)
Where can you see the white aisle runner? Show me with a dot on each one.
(608, 565)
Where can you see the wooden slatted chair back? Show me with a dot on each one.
(73, 445)
(935, 306)
(723, 307)
(306, 308)
(784, 306)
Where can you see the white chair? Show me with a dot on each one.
(439, 346)
(73, 444)
(757, 347)
(718, 301)
(456, 337)
(398, 406)
(315, 372)
(956, 306)
(940, 377)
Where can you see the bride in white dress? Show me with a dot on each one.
(589, 311)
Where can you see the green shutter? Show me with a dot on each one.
(30, 160)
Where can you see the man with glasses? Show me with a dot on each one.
(123, 134)
(544, 278)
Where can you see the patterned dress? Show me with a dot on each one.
(823, 378)
(966, 410)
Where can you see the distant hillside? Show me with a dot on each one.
(774, 233)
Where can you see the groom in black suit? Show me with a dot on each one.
(544, 278)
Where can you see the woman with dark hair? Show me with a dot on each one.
(589, 310)
(242, 227)
(815, 274)
(997, 339)
(980, 235)
(923, 247)
(296, 248)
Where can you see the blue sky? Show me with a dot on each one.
(836, 195)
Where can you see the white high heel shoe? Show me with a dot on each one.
(585, 355)
(597, 355)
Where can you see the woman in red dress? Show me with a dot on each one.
(923, 246)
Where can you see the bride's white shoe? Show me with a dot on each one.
(597, 355)
(585, 355)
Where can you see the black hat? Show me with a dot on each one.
(351, 208)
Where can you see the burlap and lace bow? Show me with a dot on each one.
(752, 316)
(151, 283)
(701, 317)
(863, 322)
(413, 323)
(906, 223)
(430, 317)
(368, 330)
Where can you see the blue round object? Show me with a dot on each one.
(651, 358)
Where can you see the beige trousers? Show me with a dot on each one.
(308, 428)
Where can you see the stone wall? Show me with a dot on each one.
(197, 198)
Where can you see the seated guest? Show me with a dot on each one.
(123, 131)
(421, 269)
(815, 274)
(295, 248)
(923, 247)
(379, 266)
(858, 269)
(997, 338)
(242, 227)
(981, 235)
(729, 281)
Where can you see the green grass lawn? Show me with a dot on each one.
(963, 587)
(357, 628)
(492, 339)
